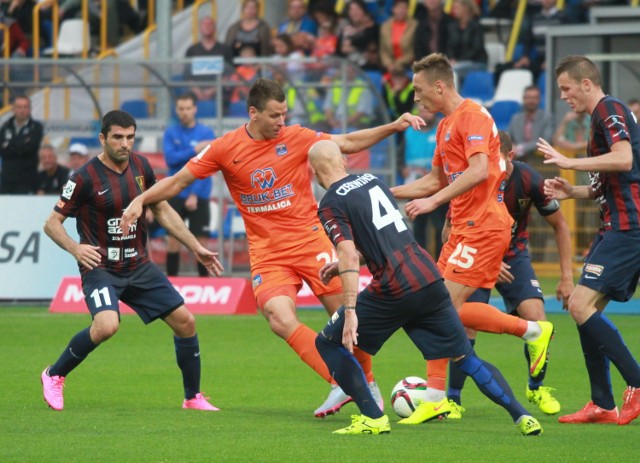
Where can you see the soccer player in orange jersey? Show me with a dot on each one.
(265, 165)
(468, 172)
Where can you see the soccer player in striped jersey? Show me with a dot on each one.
(612, 266)
(517, 282)
(361, 217)
(114, 265)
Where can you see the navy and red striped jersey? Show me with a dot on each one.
(96, 196)
(617, 193)
(525, 187)
(362, 209)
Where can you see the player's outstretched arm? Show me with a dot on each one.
(565, 286)
(619, 159)
(87, 255)
(171, 221)
(165, 189)
(560, 189)
(425, 186)
(359, 140)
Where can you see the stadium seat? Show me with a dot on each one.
(495, 54)
(238, 109)
(137, 108)
(375, 77)
(207, 108)
(89, 142)
(512, 84)
(503, 111)
(542, 85)
(478, 85)
(70, 38)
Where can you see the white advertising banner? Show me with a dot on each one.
(31, 265)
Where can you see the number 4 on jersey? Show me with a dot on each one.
(380, 201)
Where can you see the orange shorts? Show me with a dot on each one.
(474, 259)
(282, 274)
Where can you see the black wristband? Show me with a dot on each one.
(347, 271)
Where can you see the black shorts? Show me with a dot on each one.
(198, 220)
(427, 316)
(612, 266)
(146, 290)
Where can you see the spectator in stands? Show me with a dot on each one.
(180, 143)
(572, 134)
(19, 44)
(250, 30)
(396, 37)
(53, 176)
(433, 26)
(78, 156)
(634, 106)
(327, 40)
(357, 33)
(530, 124)
(207, 46)
(285, 48)
(398, 91)
(465, 43)
(419, 147)
(298, 20)
(358, 102)
(20, 138)
(244, 76)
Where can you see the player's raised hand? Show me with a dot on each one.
(558, 188)
(209, 260)
(419, 206)
(551, 156)
(410, 120)
(350, 330)
(87, 255)
(130, 215)
(327, 272)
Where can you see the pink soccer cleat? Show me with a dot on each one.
(631, 407)
(199, 402)
(52, 389)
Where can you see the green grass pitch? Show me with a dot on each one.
(123, 404)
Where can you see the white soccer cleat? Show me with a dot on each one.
(335, 401)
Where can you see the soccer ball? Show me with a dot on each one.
(407, 394)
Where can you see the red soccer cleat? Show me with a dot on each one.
(631, 406)
(199, 402)
(591, 413)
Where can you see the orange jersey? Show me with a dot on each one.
(468, 131)
(270, 182)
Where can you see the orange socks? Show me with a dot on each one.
(437, 374)
(486, 318)
(303, 341)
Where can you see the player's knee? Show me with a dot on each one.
(101, 332)
(185, 326)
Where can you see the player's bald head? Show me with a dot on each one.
(327, 161)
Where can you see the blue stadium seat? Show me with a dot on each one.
(542, 85)
(238, 109)
(376, 79)
(502, 112)
(137, 108)
(479, 86)
(207, 108)
(89, 142)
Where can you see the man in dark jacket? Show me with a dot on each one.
(20, 139)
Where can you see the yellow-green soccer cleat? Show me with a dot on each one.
(456, 411)
(428, 411)
(542, 397)
(361, 424)
(528, 426)
(538, 349)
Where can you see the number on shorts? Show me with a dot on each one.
(324, 256)
(391, 215)
(462, 256)
(97, 300)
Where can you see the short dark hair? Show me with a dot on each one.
(188, 96)
(262, 91)
(21, 97)
(579, 67)
(506, 145)
(119, 118)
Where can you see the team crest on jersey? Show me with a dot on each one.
(524, 203)
(257, 280)
(263, 178)
(281, 149)
(67, 190)
(140, 182)
(447, 136)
